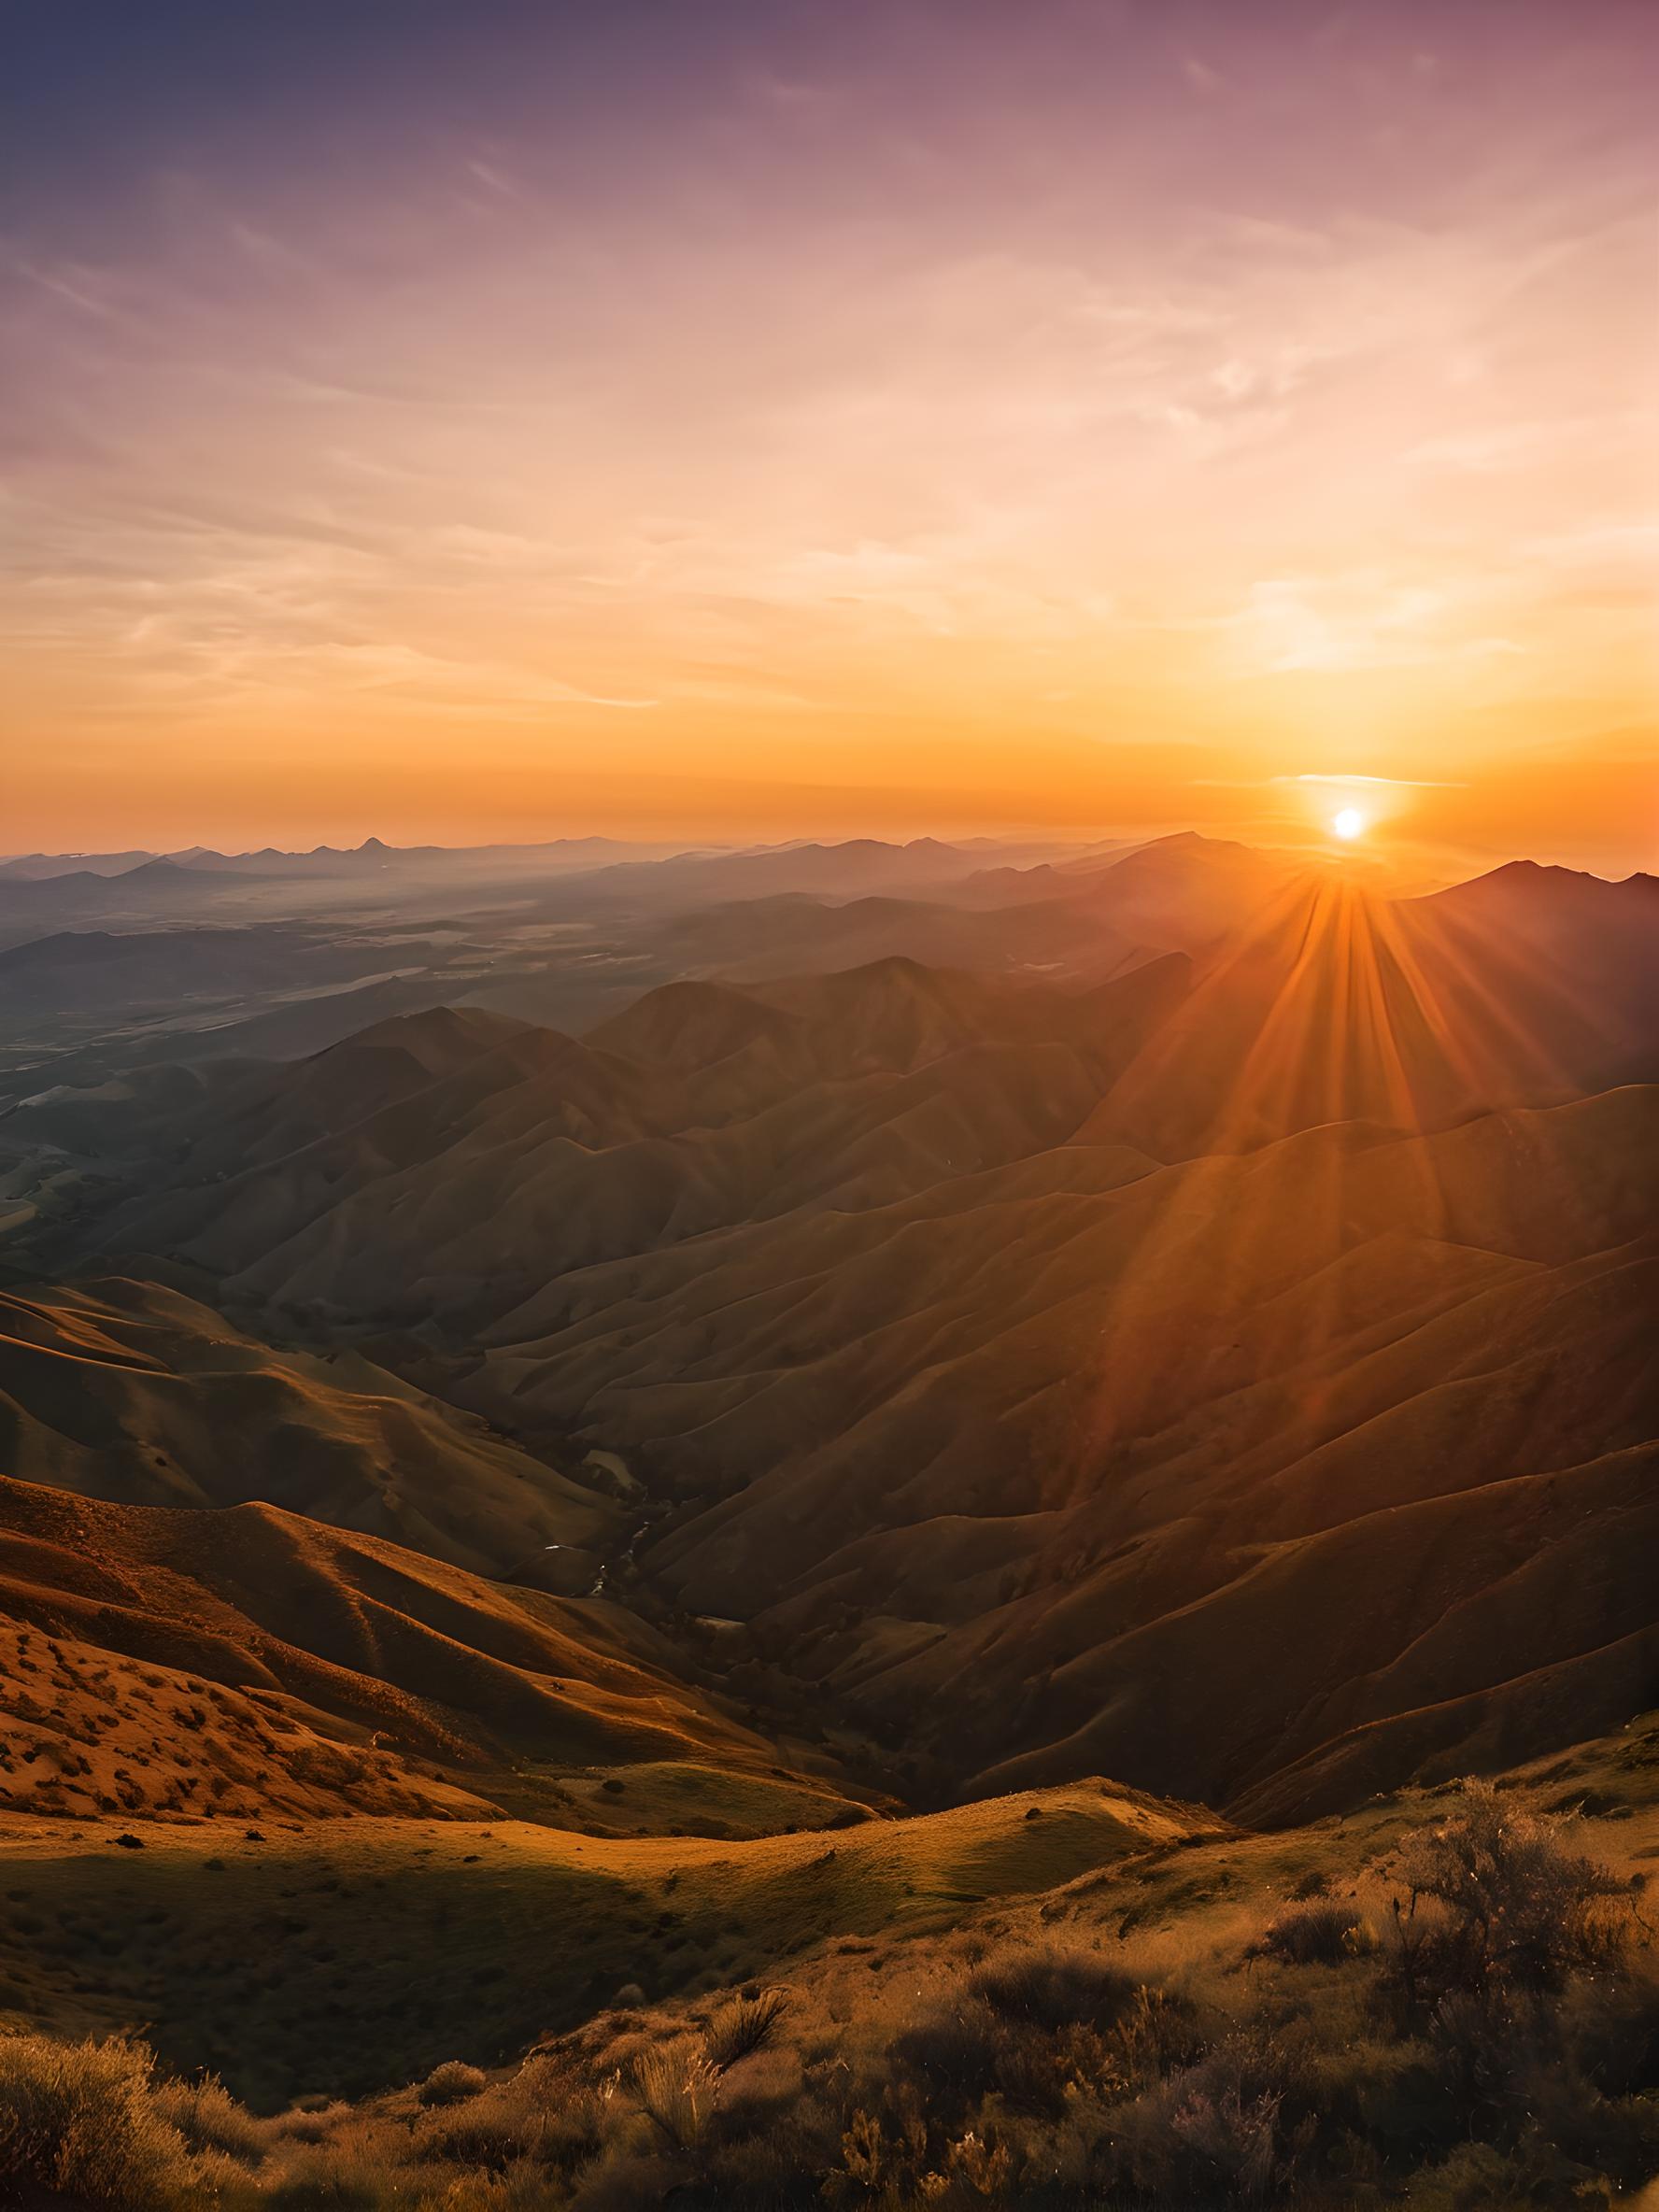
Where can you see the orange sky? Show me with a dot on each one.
(789, 422)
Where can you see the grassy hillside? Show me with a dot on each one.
(1447, 2000)
(247, 1662)
(286, 1958)
(127, 1390)
(1371, 1407)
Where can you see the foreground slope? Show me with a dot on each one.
(508, 1930)
(1070, 1998)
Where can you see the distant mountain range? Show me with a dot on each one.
(586, 876)
(371, 857)
(763, 867)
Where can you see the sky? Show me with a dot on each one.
(759, 418)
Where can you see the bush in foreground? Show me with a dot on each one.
(79, 2120)
(1509, 1905)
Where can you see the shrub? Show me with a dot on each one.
(954, 2057)
(1519, 2070)
(77, 2117)
(1475, 2178)
(743, 2027)
(1053, 1988)
(885, 2156)
(1613, 2027)
(362, 2164)
(675, 2090)
(1516, 1907)
(1478, 2038)
(1157, 2032)
(310, 2125)
(1224, 2127)
(542, 2112)
(210, 2118)
(628, 2180)
(1321, 1935)
(452, 2083)
(522, 2187)
(1230, 2139)
(323, 2180)
(1033, 2028)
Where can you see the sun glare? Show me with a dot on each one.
(1349, 822)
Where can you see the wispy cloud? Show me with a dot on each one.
(1404, 783)
(1207, 387)
(1320, 777)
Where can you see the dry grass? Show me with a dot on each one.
(675, 2090)
(511, 1931)
(452, 2083)
(743, 2027)
(1319, 1934)
(208, 2118)
(81, 2119)
(1170, 2036)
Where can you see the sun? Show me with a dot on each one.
(1349, 822)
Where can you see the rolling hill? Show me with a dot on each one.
(447, 1163)
(1082, 921)
(247, 1662)
(128, 1391)
(1084, 1425)
(1285, 1298)
(1334, 1006)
